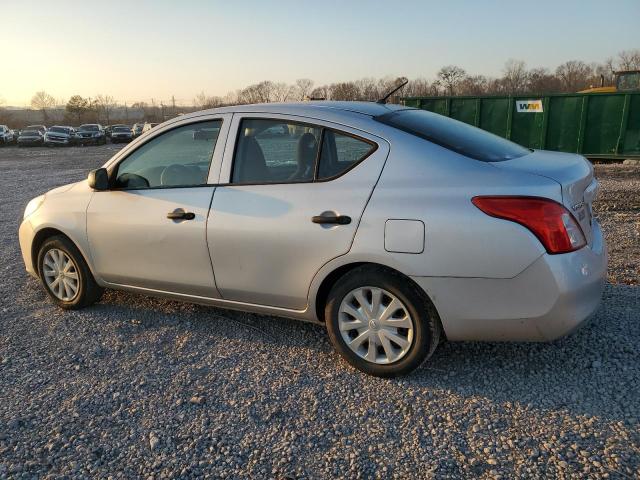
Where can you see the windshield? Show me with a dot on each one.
(454, 135)
(59, 130)
(28, 133)
(89, 128)
(34, 127)
(121, 129)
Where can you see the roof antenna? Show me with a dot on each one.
(401, 81)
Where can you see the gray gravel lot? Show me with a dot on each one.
(141, 387)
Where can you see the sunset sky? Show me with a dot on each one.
(138, 50)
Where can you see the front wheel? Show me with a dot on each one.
(381, 322)
(65, 275)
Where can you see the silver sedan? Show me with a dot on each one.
(394, 227)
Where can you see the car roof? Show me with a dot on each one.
(312, 108)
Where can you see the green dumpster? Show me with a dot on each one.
(597, 125)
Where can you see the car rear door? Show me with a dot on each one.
(149, 230)
(265, 241)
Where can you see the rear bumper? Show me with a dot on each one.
(548, 300)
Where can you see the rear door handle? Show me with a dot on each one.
(180, 214)
(331, 219)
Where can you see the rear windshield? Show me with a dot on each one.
(454, 135)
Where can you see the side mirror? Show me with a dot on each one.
(99, 179)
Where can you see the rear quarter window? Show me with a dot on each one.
(454, 135)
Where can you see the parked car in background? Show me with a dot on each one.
(6, 135)
(136, 130)
(59, 135)
(41, 128)
(91, 134)
(15, 133)
(392, 226)
(107, 130)
(148, 126)
(31, 137)
(121, 134)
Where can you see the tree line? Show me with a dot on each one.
(571, 76)
(516, 78)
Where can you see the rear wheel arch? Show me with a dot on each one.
(322, 294)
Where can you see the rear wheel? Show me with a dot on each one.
(65, 275)
(381, 322)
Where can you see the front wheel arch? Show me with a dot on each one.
(41, 237)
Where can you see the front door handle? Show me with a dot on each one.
(180, 214)
(331, 219)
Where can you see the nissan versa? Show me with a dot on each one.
(394, 227)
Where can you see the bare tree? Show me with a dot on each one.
(320, 93)
(451, 76)
(344, 91)
(515, 76)
(232, 98)
(367, 89)
(574, 75)
(258, 93)
(540, 80)
(473, 85)
(105, 104)
(202, 101)
(304, 87)
(629, 60)
(281, 92)
(419, 87)
(43, 101)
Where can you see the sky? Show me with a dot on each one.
(155, 49)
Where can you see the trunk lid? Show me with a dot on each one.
(572, 172)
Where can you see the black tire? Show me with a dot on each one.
(426, 323)
(88, 292)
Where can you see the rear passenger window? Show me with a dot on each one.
(340, 153)
(273, 151)
(276, 151)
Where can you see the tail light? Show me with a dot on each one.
(550, 221)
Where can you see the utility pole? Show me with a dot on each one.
(126, 112)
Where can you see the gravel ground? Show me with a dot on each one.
(618, 209)
(141, 387)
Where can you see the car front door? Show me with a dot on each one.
(294, 198)
(149, 229)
